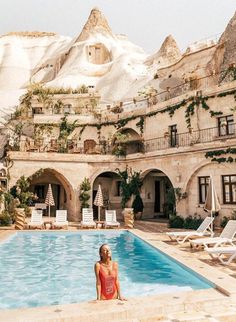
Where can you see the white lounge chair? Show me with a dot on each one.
(218, 252)
(183, 236)
(110, 219)
(226, 237)
(61, 219)
(87, 218)
(36, 220)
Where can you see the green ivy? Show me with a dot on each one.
(140, 124)
(217, 153)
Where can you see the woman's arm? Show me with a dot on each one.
(118, 284)
(98, 281)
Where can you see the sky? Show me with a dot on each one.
(145, 22)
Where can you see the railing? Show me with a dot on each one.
(104, 147)
(190, 138)
(131, 104)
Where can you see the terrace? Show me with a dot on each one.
(106, 147)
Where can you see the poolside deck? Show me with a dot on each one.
(204, 305)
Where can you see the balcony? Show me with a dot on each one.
(190, 138)
(186, 139)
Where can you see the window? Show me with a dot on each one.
(173, 135)
(203, 183)
(226, 125)
(229, 189)
(118, 189)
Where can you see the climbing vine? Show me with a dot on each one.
(140, 124)
(214, 155)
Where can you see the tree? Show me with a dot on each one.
(130, 184)
(84, 195)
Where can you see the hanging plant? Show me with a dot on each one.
(140, 124)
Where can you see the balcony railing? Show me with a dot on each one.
(190, 138)
(104, 147)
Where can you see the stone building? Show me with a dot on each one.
(177, 133)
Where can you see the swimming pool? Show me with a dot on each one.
(48, 268)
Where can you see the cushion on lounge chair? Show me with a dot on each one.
(183, 236)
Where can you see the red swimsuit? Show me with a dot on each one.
(108, 283)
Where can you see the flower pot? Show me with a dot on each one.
(20, 218)
(128, 217)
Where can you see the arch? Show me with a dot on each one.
(62, 189)
(156, 185)
(89, 146)
(203, 164)
(3, 173)
(108, 181)
(132, 141)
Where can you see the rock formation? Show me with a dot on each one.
(169, 53)
(228, 39)
(96, 23)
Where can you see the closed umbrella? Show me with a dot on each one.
(49, 201)
(212, 204)
(99, 200)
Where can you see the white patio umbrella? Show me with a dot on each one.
(212, 203)
(98, 201)
(49, 201)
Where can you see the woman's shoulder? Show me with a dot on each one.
(114, 264)
(97, 264)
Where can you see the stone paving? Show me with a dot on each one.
(204, 305)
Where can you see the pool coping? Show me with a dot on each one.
(222, 281)
(136, 307)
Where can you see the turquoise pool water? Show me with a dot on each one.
(47, 268)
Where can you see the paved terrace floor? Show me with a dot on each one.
(204, 305)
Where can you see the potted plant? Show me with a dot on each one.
(138, 206)
(20, 192)
(119, 144)
(84, 196)
(119, 151)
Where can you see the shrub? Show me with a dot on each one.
(84, 196)
(224, 221)
(137, 204)
(176, 221)
(192, 222)
(5, 218)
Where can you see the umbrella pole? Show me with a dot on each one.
(212, 224)
(49, 211)
(98, 213)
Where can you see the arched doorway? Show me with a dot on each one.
(156, 191)
(110, 184)
(129, 140)
(61, 189)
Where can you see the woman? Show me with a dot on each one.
(106, 271)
